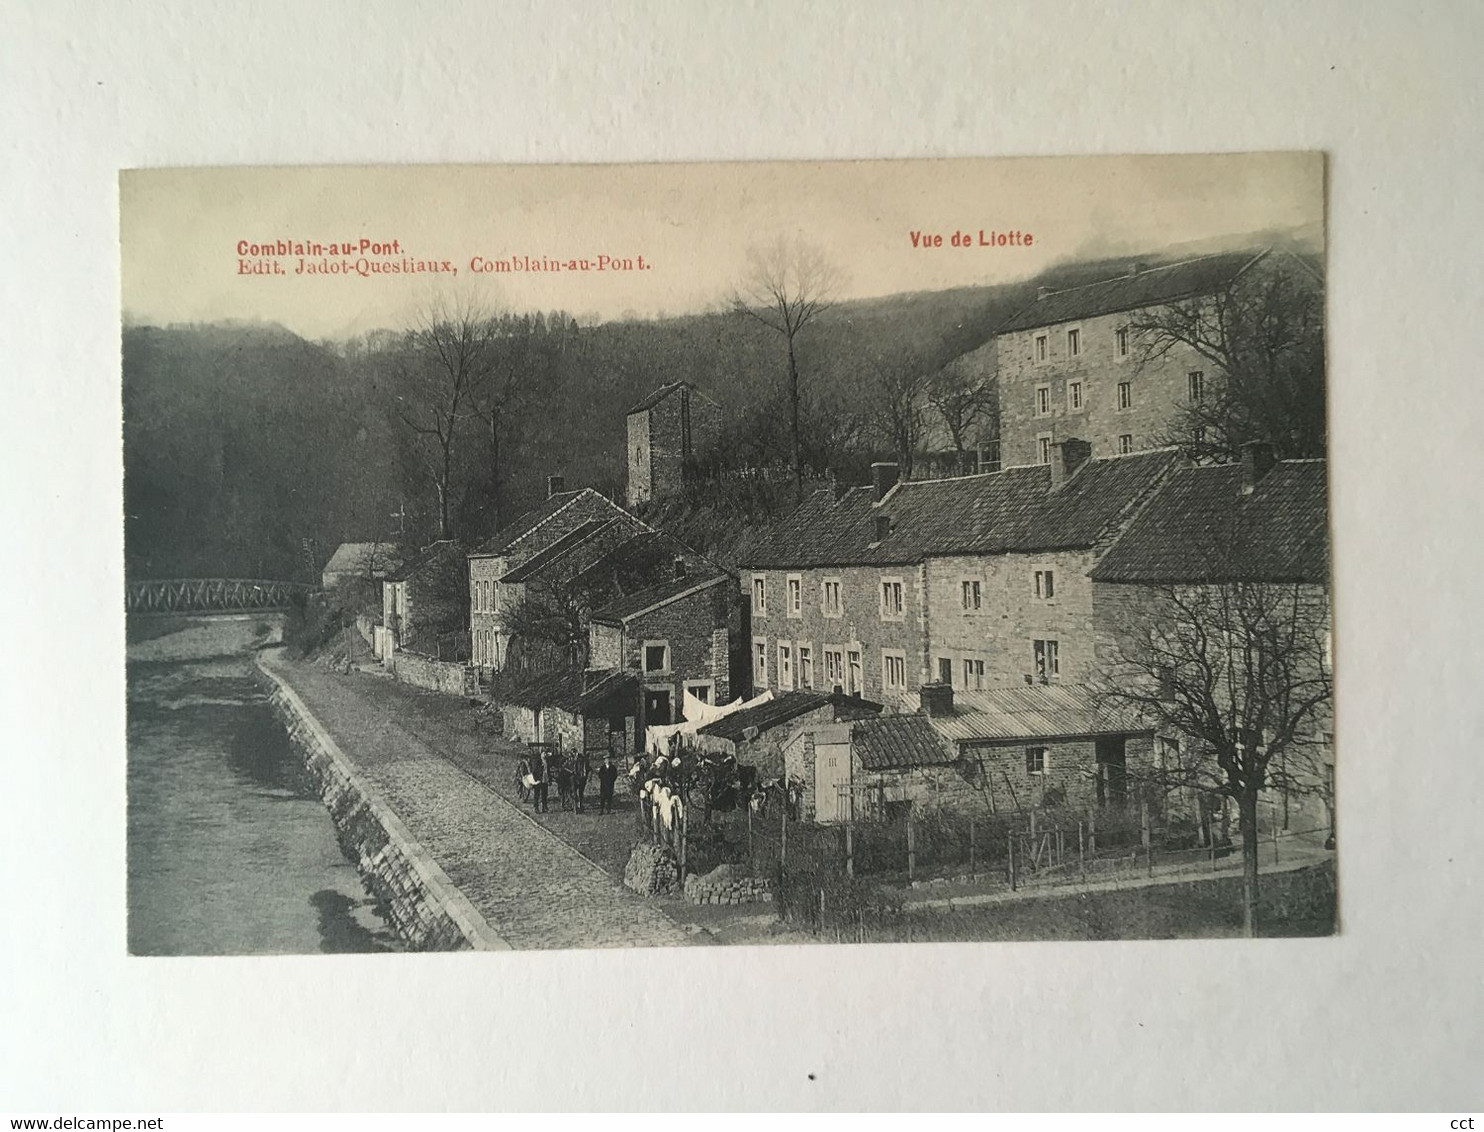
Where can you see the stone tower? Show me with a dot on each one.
(666, 430)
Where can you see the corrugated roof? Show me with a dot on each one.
(898, 742)
(1132, 291)
(500, 541)
(558, 550)
(1014, 510)
(783, 707)
(660, 593)
(1032, 711)
(1200, 528)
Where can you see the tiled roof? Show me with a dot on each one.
(430, 557)
(1200, 528)
(1014, 510)
(358, 557)
(1032, 711)
(1150, 287)
(558, 550)
(895, 742)
(657, 396)
(500, 541)
(660, 593)
(783, 707)
(633, 564)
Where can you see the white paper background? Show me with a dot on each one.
(1387, 1015)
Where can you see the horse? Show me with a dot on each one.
(564, 782)
(579, 780)
(524, 779)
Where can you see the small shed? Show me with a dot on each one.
(755, 736)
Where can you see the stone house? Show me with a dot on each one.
(593, 712)
(756, 736)
(1075, 363)
(1015, 748)
(1252, 532)
(562, 515)
(360, 561)
(423, 599)
(975, 580)
(675, 637)
(667, 431)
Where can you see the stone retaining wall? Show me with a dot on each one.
(435, 675)
(424, 907)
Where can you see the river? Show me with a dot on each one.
(229, 850)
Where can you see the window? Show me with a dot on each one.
(700, 691)
(1125, 395)
(1040, 347)
(1195, 383)
(1074, 343)
(1074, 396)
(1121, 341)
(945, 670)
(1169, 753)
(759, 595)
(1035, 760)
(806, 666)
(974, 675)
(1043, 448)
(891, 599)
(760, 662)
(973, 598)
(795, 596)
(830, 597)
(1043, 400)
(834, 669)
(1048, 663)
(1045, 584)
(785, 666)
(1125, 444)
(894, 672)
(853, 683)
(656, 656)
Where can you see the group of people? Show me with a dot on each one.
(536, 772)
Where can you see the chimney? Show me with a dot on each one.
(883, 478)
(1066, 458)
(937, 700)
(1042, 292)
(1134, 269)
(837, 489)
(883, 528)
(555, 485)
(1258, 459)
(679, 569)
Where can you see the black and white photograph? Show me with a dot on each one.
(773, 554)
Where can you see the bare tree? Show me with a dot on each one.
(526, 356)
(897, 384)
(444, 361)
(548, 618)
(1240, 670)
(967, 405)
(787, 286)
(1263, 337)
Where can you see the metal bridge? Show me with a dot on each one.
(211, 595)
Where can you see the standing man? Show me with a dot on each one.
(607, 776)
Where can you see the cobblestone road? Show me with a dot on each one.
(533, 888)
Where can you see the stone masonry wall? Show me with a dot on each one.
(434, 675)
(1158, 386)
(1010, 617)
(422, 904)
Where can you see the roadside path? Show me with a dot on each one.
(533, 888)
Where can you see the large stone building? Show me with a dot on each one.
(584, 523)
(1082, 362)
(667, 431)
(422, 600)
(972, 581)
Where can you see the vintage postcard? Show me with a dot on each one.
(585, 556)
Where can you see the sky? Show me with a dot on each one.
(182, 229)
